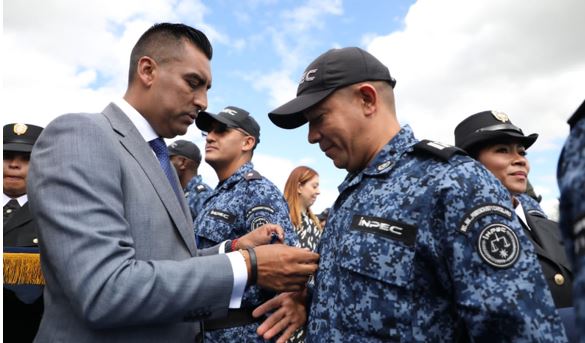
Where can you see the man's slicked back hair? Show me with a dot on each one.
(164, 41)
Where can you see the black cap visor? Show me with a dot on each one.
(205, 119)
(18, 147)
(290, 115)
(489, 137)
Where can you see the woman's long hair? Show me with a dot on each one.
(299, 176)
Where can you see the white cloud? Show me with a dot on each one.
(456, 57)
(72, 56)
(307, 16)
(291, 40)
(278, 85)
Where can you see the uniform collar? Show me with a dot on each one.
(237, 176)
(401, 143)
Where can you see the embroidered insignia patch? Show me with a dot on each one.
(384, 227)
(498, 245)
(225, 216)
(257, 222)
(255, 209)
(480, 211)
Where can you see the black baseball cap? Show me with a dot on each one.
(232, 117)
(489, 126)
(20, 137)
(186, 149)
(334, 69)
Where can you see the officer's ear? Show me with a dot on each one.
(248, 143)
(368, 97)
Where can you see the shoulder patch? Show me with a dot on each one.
(265, 208)
(437, 149)
(252, 175)
(257, 222)
(498, 246)
(483, 210)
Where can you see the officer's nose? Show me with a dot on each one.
(313, 135)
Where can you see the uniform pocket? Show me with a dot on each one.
(376, 287)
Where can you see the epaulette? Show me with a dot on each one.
(252, 175)
(443, 151)
(200, 188)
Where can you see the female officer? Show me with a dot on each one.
(492, 139)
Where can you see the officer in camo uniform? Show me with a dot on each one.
(421, 244)
(571, 179)
(242, 201)
(186, 158)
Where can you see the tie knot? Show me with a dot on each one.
(12, 204)
(159, 147)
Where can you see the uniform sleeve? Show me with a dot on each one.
(267, 205)
(498, 286)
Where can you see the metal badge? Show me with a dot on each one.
(384, 165)
(20, 129)
(501, 116)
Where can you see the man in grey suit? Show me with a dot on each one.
(117, 247)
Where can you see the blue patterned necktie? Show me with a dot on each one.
(162, 154)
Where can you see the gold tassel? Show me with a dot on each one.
(23, 269)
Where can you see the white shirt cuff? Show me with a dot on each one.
(240, 277)
(222, 247)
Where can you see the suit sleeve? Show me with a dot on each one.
(77, 189)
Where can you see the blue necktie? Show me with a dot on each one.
(162, 154)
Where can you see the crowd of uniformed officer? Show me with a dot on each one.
(422, 243)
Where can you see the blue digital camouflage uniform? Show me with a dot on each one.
(196, 193)
(243, 202)
(530, 205)
(421, 249)
(571, 179)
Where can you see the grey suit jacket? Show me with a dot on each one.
(117, 246)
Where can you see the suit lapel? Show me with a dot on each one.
(134, 143)
(18, 219)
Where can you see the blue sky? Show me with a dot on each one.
(451, 58)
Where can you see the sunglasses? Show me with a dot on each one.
(221, 128)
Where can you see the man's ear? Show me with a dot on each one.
(248, 143)
(368, 98)
(147, 69)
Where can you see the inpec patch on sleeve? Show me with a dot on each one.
(225, 216)
(258, 208)
(481, 211)
(257, 222)
(381, 226)
(498, 246)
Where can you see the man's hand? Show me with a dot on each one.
(283, 268)
(261, 236)
(290, 314)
